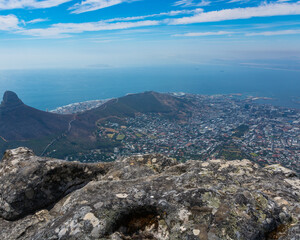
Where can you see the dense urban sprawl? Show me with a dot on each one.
(221, 126)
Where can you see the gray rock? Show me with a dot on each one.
(151, 197)
(30, 183)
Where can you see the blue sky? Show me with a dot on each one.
(121, 33)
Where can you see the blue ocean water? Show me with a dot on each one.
(48, 89)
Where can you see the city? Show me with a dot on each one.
(221, 126)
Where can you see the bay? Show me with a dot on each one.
(50, 88)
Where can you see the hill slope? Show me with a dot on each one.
(21, 125)
(129, 105)
(21, 122)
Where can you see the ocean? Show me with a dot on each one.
(52, 88)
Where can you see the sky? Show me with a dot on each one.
(125, 33)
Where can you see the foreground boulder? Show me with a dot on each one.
(30, 183)
(151, 197)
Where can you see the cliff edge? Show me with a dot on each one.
(146, 197)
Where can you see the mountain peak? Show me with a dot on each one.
(11, 99)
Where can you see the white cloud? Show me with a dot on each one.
(14, 4)
(92, 5)
(171, 13)
(274, 33)
(238, 1)
(64, 29)
(203, 34)
(191, 3)
(9, 22)
(266, 10)
(38, 20)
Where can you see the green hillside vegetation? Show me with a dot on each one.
(240, 131)
(231, 152)
(120, 137)
(38, 145)
(65, 147)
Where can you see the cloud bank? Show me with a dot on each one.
(203, 34)
(63, 29)
(92, 5)
(192, 3)
(15, 4)
(265, 10)
(191, 16)
(9, 22)
(275, 33)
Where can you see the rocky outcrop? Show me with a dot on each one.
(146, 197)
(30, 183)
(10, 100)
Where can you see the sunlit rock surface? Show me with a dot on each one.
(30, 183)
(146, 197)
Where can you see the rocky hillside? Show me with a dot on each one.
(146, 197)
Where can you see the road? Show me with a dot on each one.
(70, 124)
(59, 137)
(3, 139)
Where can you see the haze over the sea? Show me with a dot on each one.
(49, 89)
